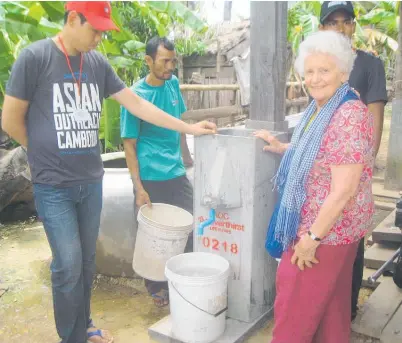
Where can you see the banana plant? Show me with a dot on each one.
(303, 19)
(377, 31)
(142, 20)
(22, 23)
(380, 26)
(377, 26)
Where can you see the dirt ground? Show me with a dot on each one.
(120, 305)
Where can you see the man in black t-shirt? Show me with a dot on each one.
(368, 78)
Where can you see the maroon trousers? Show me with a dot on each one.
(313, 306)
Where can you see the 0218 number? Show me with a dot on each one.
(215, 244)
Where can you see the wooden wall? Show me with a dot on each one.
(206, 66)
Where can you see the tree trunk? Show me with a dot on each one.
(393, 175)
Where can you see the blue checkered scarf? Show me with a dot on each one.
(294, 169)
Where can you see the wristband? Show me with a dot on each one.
(314, 237)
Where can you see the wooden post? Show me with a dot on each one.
(268, 49)
(393, 174)
(233, 101)
(227, 11)
(192, 5)
(180, 69)
(218, 56)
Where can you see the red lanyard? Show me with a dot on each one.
(71, 69)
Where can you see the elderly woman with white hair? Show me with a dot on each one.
(325, 201)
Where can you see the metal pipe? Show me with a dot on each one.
(373, 278)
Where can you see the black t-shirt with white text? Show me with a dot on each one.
(62, 150)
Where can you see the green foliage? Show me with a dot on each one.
(377, 30)
(110, 125)
(303, 19)
(22, 23)
(141, 21)
(377, 25)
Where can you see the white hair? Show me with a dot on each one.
(328, 42)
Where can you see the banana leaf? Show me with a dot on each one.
(109, 130)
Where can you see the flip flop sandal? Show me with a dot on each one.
(95, 333)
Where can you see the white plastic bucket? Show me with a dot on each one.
(198, 296)
(162, 233)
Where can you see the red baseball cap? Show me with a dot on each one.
(97, 13)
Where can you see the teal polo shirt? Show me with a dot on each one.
(158, 149)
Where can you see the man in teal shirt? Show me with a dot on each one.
(155, 155)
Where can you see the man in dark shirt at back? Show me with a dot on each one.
(367, 78)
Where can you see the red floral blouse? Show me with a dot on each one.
(348, 140)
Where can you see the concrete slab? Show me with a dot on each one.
(118, 225)
(382, 205)
(393, 331)
(379, 179)
(378, 254)
(236, 331)
(118, 228)
(119, 305)
(378, 310)
(234, 174)
(380, 191)
(386, 231)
